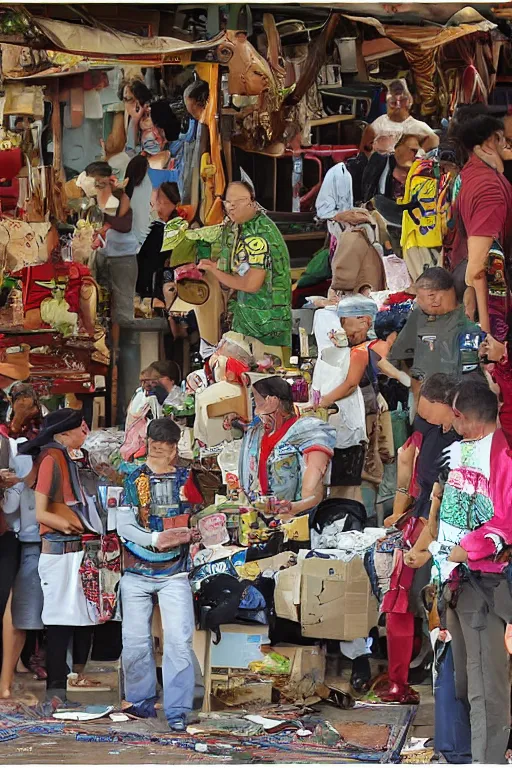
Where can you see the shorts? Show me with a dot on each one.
(27, 595)
(347, 465)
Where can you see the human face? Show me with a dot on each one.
(466, 426)
(238, 204)
(148, 380)
(356, 329)
(193, 108)
(102, 183)
(435, 302)
(398, 105)
(73, 439)
(163, 206)
(405, 153)
(265, 406)
(162, 451)
(504, 140)
(439, 414)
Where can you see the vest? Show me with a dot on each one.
(159, 509)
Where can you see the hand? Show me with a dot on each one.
(492, 349)
(170, 293)
(207, 265)
(381, 402)
(416, 559)
(174, 537)
(69, 528)
(8, 478)
(281, 508)
(458, 555)
(325, 402)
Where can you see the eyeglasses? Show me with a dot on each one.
(236, 203)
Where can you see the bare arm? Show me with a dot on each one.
(50, 519)
(478, 253)
(312, 482)
(356, 371)
(404, 471)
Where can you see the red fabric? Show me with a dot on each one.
(399, 298)
(500, 490)
(396, 599)
(484, 206)
(235, 370)
(502, 375)
(268, 443)
(191, 492)
(400, 643)
(34, 294)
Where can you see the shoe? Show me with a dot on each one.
(361, 674)
(399, 694)
(146, 710)
(178, 726)
(508, 638)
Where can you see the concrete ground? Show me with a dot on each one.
(66, 750)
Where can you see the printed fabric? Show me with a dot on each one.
(422, 225)
(266, 314)
(100, 573)
(286, 462)
(467, 502)
(156, 514)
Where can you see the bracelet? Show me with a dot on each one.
(403, 490)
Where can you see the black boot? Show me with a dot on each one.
(361, 674)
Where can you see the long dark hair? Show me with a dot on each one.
(136, 171)
(171, 191)
(163, 117)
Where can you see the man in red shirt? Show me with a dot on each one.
(484, 219)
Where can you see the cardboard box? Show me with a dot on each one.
(307, 661)
(239, 645)
(236, 691)
(336, 600)
(287, 593)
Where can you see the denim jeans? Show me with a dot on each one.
(175, 600)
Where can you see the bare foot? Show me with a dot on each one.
(5, 693)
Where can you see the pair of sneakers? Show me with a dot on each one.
(147, 709)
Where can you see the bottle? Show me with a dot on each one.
(196, 362)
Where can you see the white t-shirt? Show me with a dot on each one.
(383, 126)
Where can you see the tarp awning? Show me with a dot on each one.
(97, 43)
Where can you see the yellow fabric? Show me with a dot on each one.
(297, 529)
(210, 73)
(426, 231)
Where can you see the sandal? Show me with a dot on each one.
(84, 684)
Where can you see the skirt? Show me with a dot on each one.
(27, 595)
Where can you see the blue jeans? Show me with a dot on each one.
(175, 600)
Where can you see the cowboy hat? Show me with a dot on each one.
(55, 423)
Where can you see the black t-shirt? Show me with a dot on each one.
(430, 460)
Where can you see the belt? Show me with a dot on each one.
(60, 547)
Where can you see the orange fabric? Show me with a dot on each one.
(54, 482)
(210, 73)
